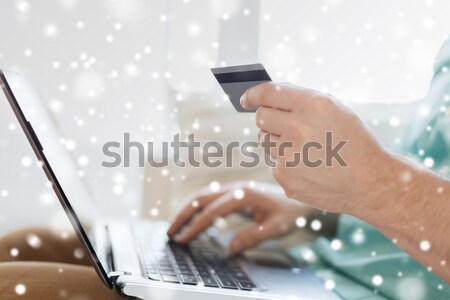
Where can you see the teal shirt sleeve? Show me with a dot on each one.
(367, 256)
(428, 136)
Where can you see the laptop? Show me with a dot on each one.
(135, 257)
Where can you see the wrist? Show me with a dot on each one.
(383, 188)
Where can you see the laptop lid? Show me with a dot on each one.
(48, 145)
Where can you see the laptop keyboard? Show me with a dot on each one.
(199, 263)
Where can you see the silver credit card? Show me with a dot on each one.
(235, 80)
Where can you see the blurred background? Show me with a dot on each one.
(112, 66)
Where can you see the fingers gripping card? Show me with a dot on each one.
(235, 80)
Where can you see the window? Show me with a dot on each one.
(361, 51)
(377, 51)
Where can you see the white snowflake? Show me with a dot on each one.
(377, 280)
(194, 29)
(154, 212)
(336, 244)
(316, 225)
(20, 289)
(394, 121)
(26, 161)
(83, 161)
(34, 241)
(23, 6)
(330, 284)
(214, 186)
(118, 189)
(51, 30)
(14, 252)
(4, 193)
(239, 194)
(425, 245)
(301, 222)
(428, 162)
(78, 253)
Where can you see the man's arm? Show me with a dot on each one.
(348, 171)
(411, 205)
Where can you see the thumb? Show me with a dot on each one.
(254, 235)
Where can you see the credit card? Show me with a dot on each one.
(235, 80)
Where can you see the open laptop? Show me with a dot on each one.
(136, 257)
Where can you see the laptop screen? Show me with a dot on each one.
(51, 149)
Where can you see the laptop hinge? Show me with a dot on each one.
(115, 274)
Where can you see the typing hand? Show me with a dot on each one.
(274, 216)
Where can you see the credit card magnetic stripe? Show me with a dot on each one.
(235, 80)
(256, 75)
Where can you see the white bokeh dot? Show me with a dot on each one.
(23, 6)
(300, 222)
(194, 29)
(154, 212)
(4, 193)
(214, 186)
(46, 198)
(377, 280)
(26, 161)
(239, 194)
(56, 65)
(34, 241)
(358, 236)
(78, 253)
(62, 87)
(14, 252)
(70, 145)
(330, 284)
(131, 69)
(394, 121)
(118, 189)
(428, 162)
(336, 244)
(109, 38)
(83, 161)
(425, 245)
(316, 225)
(51, 30)
(20, 289)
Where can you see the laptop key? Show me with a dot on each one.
(246, 285)
(168, 272)
(201, 267)
(186, 272)
(203, 272)
(183, 267)
(154, 276)
(189, 279)
(240, 276)
(152, 270)
(165, 261)
(226, 282)
(170, 278)
(209, 281)
(166, 267)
